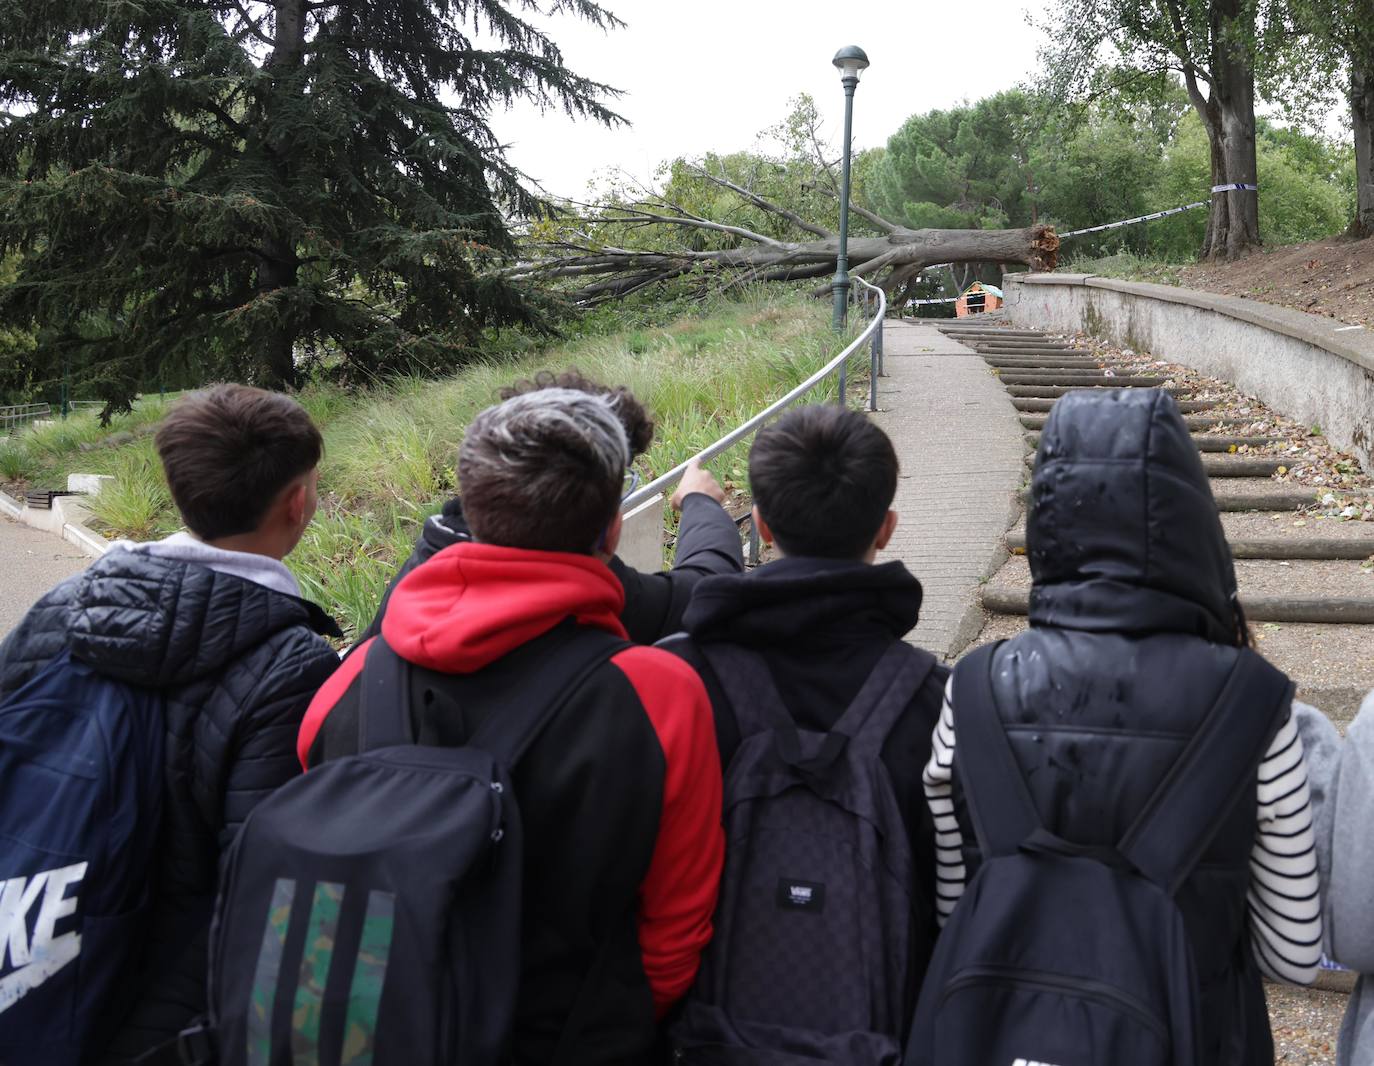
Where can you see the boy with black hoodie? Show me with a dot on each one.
(822, 617)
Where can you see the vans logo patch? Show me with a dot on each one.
(27, 961)
(795, 895)
(1030, 1062)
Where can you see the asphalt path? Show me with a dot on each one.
(31, 562)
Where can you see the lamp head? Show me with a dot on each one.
(851, 61)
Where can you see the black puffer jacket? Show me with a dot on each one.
(238, 664)
(1134, 630)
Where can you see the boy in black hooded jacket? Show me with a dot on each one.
(824, 614)
(1135, 627)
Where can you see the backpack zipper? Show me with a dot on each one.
(1080, 987)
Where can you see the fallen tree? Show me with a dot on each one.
(893, 256)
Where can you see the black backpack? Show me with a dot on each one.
(369, 912)
(820, 913)
(1066, 955)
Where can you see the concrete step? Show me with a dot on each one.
(1044, 362)
(1026, 350)
(1222, 466)
(1206, 442)
(1079, 380)
(1036, 422)
(1240, 526)
(988, 331)
(1055, 391)
(1041, 404)
(1281, 547)
(1245, 497)
(1313, 592)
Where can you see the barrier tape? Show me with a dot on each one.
(1133, 221)
(1238, 186)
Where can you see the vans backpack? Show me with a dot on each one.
(80, 811)
(819, 913)
(369, 912)
(1066, 955)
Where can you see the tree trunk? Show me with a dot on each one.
(1229, 115)
(892, 260)
(1362, 118)
(281, 264)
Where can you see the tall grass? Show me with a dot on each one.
(391, 451)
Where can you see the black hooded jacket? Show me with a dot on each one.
(1134, 630)
(238, 664)
(707, 543)
(821, 625)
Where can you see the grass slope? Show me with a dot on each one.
(390, 451)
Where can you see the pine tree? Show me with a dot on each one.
(245, 186)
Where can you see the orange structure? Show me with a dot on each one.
(978, 298)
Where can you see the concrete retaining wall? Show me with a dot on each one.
(1312, 369)
(67, 518)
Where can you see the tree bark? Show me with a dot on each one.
(278, 272)
(1229, 116)
(892, 261)
(1362, 119)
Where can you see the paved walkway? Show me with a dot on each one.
(962, 447)
(31, 562)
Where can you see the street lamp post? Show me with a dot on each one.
(851, 62)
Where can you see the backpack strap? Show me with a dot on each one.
(1000, 804)
(384, 699)
(754, 696)
(511, 726)
(1214, 771)
(758, 707)
(898, 676)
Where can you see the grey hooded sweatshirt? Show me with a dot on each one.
(1341, 777)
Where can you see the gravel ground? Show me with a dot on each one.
(1305, 1023)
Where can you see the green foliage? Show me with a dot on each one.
(136, 504)
(14, 460)
(250, 190)
(1303, 192)
(966, 168)
(1117, 157)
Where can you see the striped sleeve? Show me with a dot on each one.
(1283, 899)
(937, 781)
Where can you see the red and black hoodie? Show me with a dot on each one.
(620, 794)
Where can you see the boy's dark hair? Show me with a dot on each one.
(544, 470)
(229, 451)
(823, 479)
(639, 427)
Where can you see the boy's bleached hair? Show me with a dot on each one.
(544, 470)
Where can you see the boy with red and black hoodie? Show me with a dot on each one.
(620, 794)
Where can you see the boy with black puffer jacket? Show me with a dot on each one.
(813, 632)
(213, 621)
(707, 540)
(619, 792)
(1136, 642)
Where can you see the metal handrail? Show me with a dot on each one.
(872, 334)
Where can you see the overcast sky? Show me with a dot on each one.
(708, 75)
